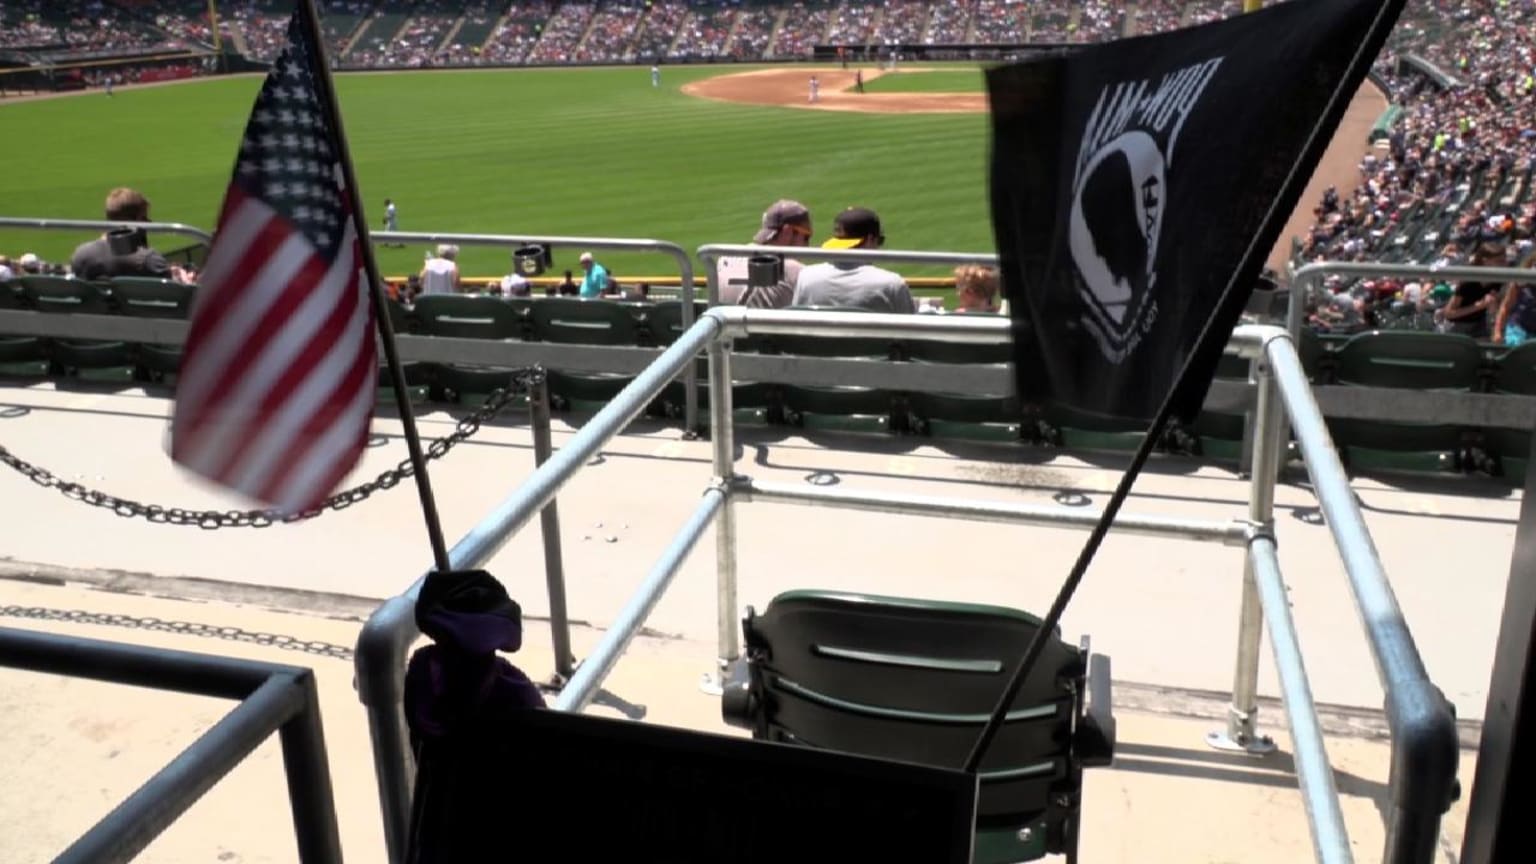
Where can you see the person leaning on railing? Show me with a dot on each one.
(124, 252)
(1467, 313)
(1515, 321)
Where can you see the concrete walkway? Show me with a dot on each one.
(79, 747)
(1166, 610)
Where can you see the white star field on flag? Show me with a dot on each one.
(288, 159)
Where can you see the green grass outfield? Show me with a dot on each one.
(928, 81)
(594, 152)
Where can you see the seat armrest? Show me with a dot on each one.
(738, 704)
(1095, 743)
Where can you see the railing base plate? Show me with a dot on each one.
(1257, 745)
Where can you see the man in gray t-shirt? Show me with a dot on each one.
(123, 252)
(864, 286)
(785, 223)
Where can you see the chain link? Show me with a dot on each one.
(213, 519)
(185, 628)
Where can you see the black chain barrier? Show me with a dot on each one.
(185, 628)
(214, 519)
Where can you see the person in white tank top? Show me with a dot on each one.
(441, 274)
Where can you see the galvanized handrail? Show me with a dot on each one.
(389, 631)
(273, 698)
(1412, 819)
(710, 254)
(43, 224)
(619, 244)
(673, 250)
(1421, 720)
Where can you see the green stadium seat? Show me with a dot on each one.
(1409, 360)
(20, 355)
(154, 298)
(915, 680)
(67, 295)
(1220, 436)
(464, 317)
(585, 392)
(844, 408)
(930, 351)
(750, 403)
(418, 375)
(1074, 429)
(1515, 373)
(664, 320)
(584, 322)
(979, 418)
(951, 415)
(835, 346)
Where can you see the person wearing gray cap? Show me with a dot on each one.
(785, 223)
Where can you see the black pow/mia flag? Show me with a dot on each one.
(1133, 180)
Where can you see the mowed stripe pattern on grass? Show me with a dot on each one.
(595, 152)
(927, 81)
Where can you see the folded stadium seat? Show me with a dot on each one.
(844, 408)
(751, 402)
(111, 360)
(419, 376)
(1511, 448)
(664, 320)
(1074, 429)
(585, 322)
(1320, 354)
(952, 415)
(20, 355)
(1408, 360)
(1220, 436)
(154, 298)
(465, 317)
(915, 680)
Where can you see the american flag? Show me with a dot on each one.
(278, 373)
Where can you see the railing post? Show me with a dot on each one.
(309, 778)
(1242, 715)
(722, 436)
(549, 523)
(691, 376)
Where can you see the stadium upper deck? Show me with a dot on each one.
(411, 33)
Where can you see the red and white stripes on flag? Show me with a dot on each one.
(278, 373)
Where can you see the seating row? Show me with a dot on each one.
(1386, 359)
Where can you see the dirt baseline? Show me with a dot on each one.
(791, 88)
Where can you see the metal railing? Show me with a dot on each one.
(39, 224)
(1420, 720)
(1422, 723)
(1422, 728)
(389, 631)
(511, 241)
(273, 698)
(710, 255)
(617, 244)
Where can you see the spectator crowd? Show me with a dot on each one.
(1448, 181)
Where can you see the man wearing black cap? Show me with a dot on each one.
(785, 223)
(845, 283)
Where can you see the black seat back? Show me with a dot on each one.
(916, 680)
(616, 790)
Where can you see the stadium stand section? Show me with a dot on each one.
(1452, 168)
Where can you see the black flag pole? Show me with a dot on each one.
(1231, 300)
(331, 111)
